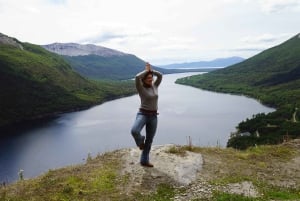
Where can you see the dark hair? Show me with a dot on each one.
(146, 75)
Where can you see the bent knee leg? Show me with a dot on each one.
(135, 132)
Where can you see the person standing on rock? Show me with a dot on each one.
(147, 114)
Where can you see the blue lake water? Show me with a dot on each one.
(206, 117)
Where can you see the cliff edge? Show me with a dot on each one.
(269, 172)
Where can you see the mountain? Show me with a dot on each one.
(97, 62)
(272, 77)
(35, 83)
(221, 62)
(74, 49)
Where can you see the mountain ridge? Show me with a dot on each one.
(75, 49)
(5, 40)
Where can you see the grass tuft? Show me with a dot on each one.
(177, 150)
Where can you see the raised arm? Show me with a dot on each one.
(139, 81)
(158, 77)
(156, 73)
(140, 76)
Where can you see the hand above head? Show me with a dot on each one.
(148, 67)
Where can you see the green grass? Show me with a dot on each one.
(97, 179)
(221, 196)
(164, 192)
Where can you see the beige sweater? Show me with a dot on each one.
(148, 95)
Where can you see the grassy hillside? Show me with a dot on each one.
(100, 67)
(113, 67)
(36, 83)
(272, 77)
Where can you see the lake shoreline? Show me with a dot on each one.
(207, 118)
(13, 127)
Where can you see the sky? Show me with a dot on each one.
(158, 31)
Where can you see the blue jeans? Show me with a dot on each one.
(150, 121)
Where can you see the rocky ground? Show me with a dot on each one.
(182, 171)
(197, 172)
(170, 167)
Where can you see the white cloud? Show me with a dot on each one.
(159, 31)
(56, 1)
(265, 38)
(270, 6)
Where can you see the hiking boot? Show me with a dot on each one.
(147, 164)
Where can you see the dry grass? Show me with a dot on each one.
(258, 162)
(178, 150)
(274, 170)
(97, 179)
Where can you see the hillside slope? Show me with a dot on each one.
(272, 77)
(101, 67)
(35, 83)
(273, 70)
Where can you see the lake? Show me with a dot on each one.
(207, 118)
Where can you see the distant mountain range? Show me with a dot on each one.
(97, 62)
(220, 62)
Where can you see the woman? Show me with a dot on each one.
(147, 115)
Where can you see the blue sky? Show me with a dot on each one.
(158, 31)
